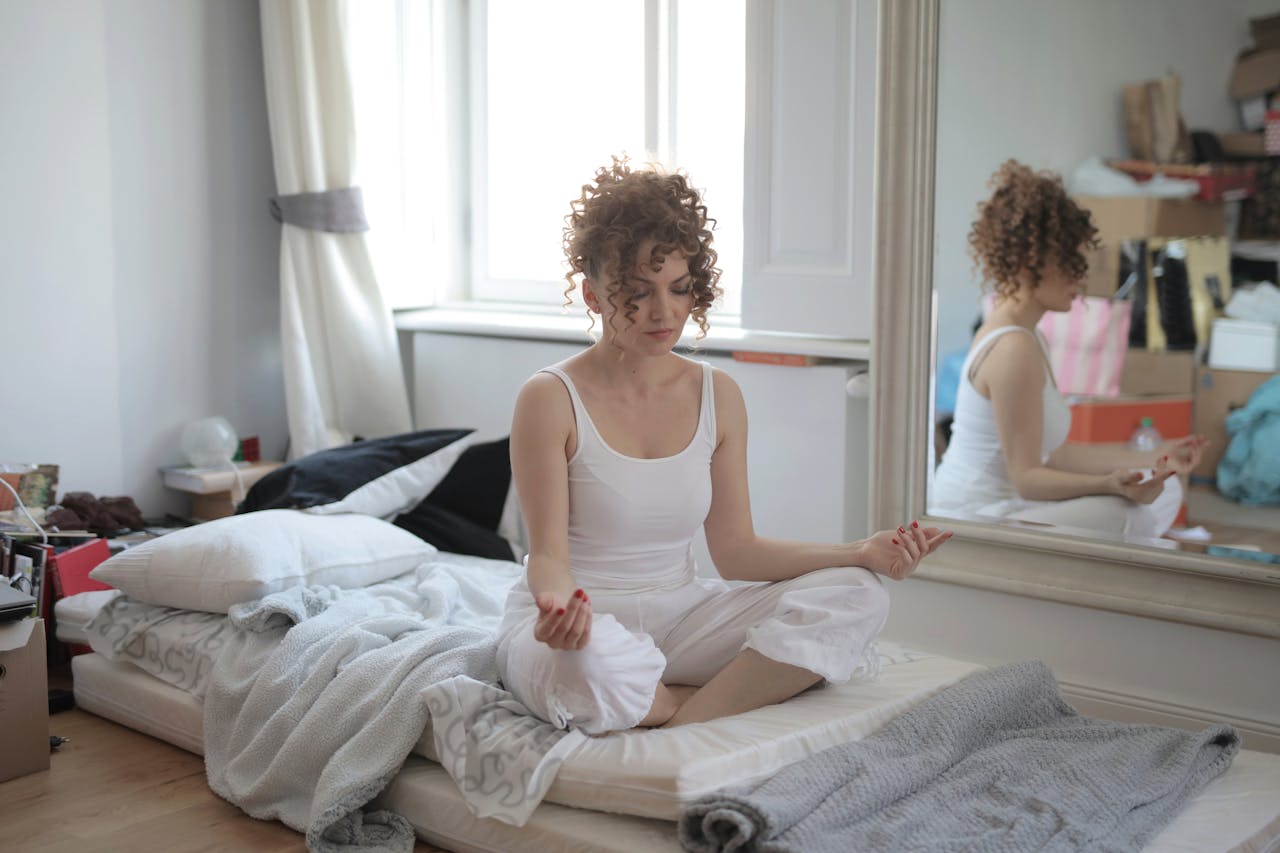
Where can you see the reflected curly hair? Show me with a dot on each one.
(621, 210)
(1031, 224)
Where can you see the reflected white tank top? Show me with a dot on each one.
(632, 521)
(972, 473)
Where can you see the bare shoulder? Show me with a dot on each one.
(731, 408)
(545, 400)
(725, 387)
(1014, 363)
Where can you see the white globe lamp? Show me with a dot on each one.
(209, 442)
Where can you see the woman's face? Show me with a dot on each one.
(1057, 290)
(663, 300)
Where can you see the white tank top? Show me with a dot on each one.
(972, 473)
(632, 521)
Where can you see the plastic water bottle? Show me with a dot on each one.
(1145, 437)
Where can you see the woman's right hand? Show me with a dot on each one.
(1132, 485)
(563, 625)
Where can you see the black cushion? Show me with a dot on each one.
(461, 513)
(330, 475)
(450, 531)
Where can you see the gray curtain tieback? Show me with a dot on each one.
(333, 210)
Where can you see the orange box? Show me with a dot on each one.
(1113, 419)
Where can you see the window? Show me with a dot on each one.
(471, 150)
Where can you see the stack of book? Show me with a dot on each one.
(48, 571)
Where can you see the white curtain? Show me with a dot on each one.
(342, 370)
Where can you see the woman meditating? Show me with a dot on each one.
(619, 454)
(1008, 455)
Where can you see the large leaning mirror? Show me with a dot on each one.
(966, 86)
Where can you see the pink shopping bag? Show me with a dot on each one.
(1087, 345)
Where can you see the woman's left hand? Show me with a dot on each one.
(1184, 453)
(897, 553)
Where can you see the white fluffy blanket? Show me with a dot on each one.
(321, 694)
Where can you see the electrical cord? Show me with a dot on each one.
(238, 493)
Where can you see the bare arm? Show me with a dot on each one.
(1013, 375)
(1180, 454)
(1099, 458)
(740, 554)
(540, 433)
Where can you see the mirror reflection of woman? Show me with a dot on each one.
(1008, 455)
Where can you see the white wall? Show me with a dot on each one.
(140, 282)
(1040, 81)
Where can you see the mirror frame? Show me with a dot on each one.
(1232, 595)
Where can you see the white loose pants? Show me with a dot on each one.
(1108, 514)
(824, 621)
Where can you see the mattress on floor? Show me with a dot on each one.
(641, 772)
(656, 772)
(1239, 811)
(176, 646)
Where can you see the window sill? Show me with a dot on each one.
(724, 336)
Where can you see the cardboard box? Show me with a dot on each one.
(1255, 76)
(24, 699)
(1111, 420)
(1244, 345)
(1218, 393)
(1153, 373)
(1243, 144)
(1119, 218)
(1265, 31)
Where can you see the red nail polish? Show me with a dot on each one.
(895, 542)
(579, 594)
(901, 530)
(560, 612)
(914, 525)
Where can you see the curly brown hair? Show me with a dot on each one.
(1029, 224)
(623, 209)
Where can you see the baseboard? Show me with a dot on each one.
(1260, 735)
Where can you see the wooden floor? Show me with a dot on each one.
(113, 789)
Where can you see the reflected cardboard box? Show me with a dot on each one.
(1218, 394)
(1120, 218)
(1157, 373)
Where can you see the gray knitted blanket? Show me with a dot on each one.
(998, 761)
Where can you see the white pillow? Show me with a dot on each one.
(241, 558)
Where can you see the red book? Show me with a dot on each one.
(69, 574)
(71, 568)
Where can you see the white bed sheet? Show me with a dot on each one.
(1239, 811)
(73, 614)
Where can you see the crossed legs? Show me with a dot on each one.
(745, 647)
